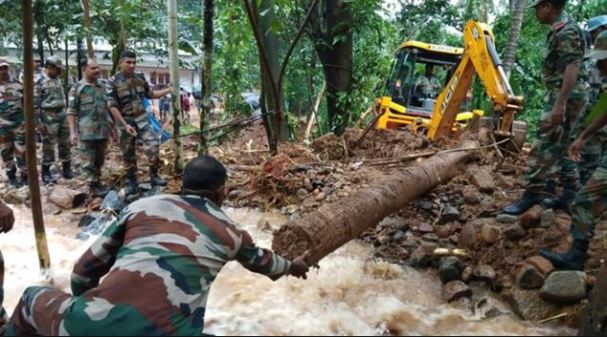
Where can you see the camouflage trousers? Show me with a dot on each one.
(548, 156)
(43, 311)
(12, 144)
(3, 315)
(148, 141)
(590, 203)
(92, 157)
(57, 133)
(591, 155)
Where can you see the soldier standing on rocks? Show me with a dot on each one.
(89, 120)
(591, 201)
(49, 102)
(128, 88)
(12, 126)
(151, 271)
(565, 102)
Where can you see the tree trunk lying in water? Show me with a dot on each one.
(331, 226)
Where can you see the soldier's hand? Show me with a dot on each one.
(7, 218)
(130, 130)
(574, 149)
(558, 114)
(299, 267)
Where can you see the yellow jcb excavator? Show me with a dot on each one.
(443, 114)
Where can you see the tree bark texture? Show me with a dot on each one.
(331, 226)
(515, 33)
(335, 49)
(175, 85)
(207, 72)
(86, 9)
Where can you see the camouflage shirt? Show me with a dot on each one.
(88, 102)
(565, 45)
(48, 94)
(38, 73)
(158, 261)
(127, 94)
(11, 102)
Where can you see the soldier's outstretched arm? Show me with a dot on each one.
(100, 257)
(265, 262)
(596, 125)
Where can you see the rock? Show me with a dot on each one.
(591, 282)
(490, 234)
(564, 287)
(483, 180)
(467, 274)
(529, 305)
(398, 235)
(506, 218)
(425, 204)
(471, 196)
(321, 196)
(541, 264)
(430, 237)
(310, 202)
(548, 218)
(443, 232)
(450, 214)
(506, 282)
(86, 220)
(456, 290)
(450, 269)
(302, 194)
(112, 201)
(484, 273)
(528, 277)
(423, 255)
(17, 196)
(67, 198)
(426, 228)
(531, 218)
(514, 232)
(467, 237)
(410, 243)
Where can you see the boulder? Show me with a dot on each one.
(490, 234)
(484, 273)
(529, 305)
(564, 287)
(17, 196)
(67, 198)
(456, 290)
(450, 269)
(541, 264)
(514, 232)
(506, 218)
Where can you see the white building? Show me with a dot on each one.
(155, 69)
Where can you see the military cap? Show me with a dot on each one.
(54, 61)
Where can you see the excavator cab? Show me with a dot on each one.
(420, 72)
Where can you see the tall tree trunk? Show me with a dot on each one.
(336, 56)
(515, 33)
(270, 44)
(39, 19)
(121, 46)
(86, 9)
(207, 72)
(174, 62)
(66, 85)
(79, 55)
(331, 226)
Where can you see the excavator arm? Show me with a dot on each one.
(481, 58)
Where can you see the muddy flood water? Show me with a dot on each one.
(351, 293)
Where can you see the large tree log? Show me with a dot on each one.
(331, 226)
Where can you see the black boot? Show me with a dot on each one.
(23, 179)
(574, 259)
(12, 177)
(47, 176)
(131, 186)
(156, 180)
(563, 202)
(528, 200)
(67, 170)
(97, 190)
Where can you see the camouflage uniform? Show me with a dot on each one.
(88, 103)
(157, 261)
(429, 87)
(127, 96)
(49, 101)
(565, 46)
(12, 125)
(591, 201)
(38, 74)
(592, 152)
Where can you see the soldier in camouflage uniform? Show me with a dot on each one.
(7, 220)
(38, 70)
(591, 201)
(565, 102)
(89, 120)
(128, 88)
(49, 103)
(158, 262)
(12, 126)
